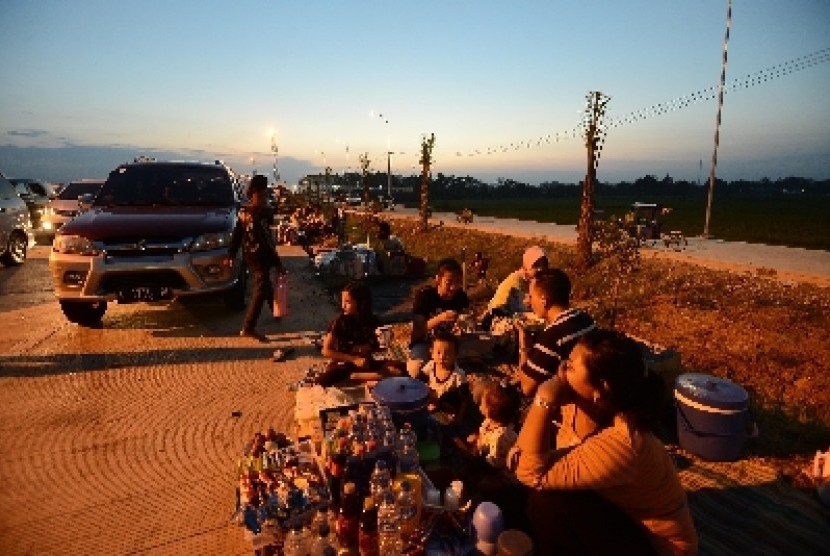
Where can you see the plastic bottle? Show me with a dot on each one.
(407, 509)
(295, 542)
(348, 520)
(368, 537)
(322, 541)
(381, 481)
(389, 535)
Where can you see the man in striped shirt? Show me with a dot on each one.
(539, 357)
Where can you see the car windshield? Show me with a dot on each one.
(161, 185)
(75, 189)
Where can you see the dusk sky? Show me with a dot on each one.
(208, 79)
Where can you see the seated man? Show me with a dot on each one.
(391, 255)
(510, 295)
(437, 307)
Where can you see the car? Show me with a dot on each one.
(35, 193)
(15, 226)
(65, 205)
(156, 231)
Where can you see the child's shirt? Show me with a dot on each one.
(353, 335)
(456, 379)
(494, 442)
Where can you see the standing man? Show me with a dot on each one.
(259, 249)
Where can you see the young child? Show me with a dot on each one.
(351, 340)
(449, 392)
(436, 307)
(497, 434)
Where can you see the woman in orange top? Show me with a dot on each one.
(617, 490)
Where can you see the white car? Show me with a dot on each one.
(15, 226)
(64, 207)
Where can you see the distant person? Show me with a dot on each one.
(253, 235)
(351, 340)
(540, 356)
(437, 307)
(616, 491)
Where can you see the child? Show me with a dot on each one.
(436, 308)
(351, 339)
(449, 393)
(497, 434)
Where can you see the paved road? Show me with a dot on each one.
(122, 440)
(787, 263)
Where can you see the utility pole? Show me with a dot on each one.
(594, 137)
(364, 170)
(718, 120)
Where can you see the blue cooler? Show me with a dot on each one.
(711, 416)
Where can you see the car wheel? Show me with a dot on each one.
(15, 250)
(85, 313)
(236, 297)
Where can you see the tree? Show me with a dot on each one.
(594, 137)
(426, 161)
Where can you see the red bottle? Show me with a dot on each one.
(348, 520)
(368, 538)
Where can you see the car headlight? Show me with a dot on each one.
(209, 242)
(74, 245)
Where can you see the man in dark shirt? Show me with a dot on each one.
(253, 234)
(437, 307)
(550, 292)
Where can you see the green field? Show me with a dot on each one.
(795, 221)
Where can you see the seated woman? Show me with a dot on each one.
(351, 340)
(616, 491)
(391, 254)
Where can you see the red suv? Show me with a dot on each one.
(155, 231)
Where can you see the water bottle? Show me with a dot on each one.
(407, 509)
(389, 535)
(322, 541)
(380, 482)
(295, 542)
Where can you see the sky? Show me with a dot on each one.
(89, 84)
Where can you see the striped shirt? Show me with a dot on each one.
(555, 343)
(632, 470)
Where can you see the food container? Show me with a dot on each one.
(711, 416)
(407, 400)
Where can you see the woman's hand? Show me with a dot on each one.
(556, 391)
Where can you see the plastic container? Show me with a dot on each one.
(711, 416)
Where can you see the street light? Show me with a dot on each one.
(389, 153)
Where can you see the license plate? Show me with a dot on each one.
(144, 293)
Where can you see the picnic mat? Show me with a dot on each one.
(744, 507)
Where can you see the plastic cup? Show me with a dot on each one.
(413, 367)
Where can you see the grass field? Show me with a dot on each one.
(795, 221)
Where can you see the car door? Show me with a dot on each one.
(9, 208)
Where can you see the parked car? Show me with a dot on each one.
(15, 225)
(35, 193)
(156, 231)
(64, 207)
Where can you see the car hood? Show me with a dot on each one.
(122, 222)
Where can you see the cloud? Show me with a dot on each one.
(31, 133)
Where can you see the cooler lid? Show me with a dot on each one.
(401, 393)
(711, 391)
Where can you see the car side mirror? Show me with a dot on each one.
(85, 201)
